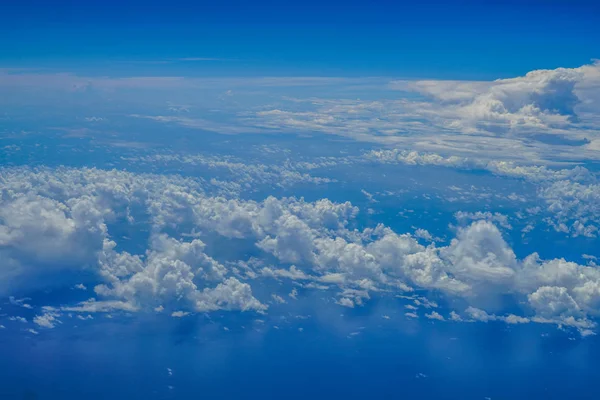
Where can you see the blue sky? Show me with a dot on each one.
(457, 39)
(288, 200)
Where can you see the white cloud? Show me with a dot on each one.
(423, 234)
(572, 195)
(435, 315)
(225, 171)
(47, 320)
(93, 306)
(179, 314)
(231, 294)
(542, 99)
(346, 302)
(455, 317)
(551, 301)
(278, 299)
(496, 218)
(19, 302)
(521, 170)
(479, 315)
(313, 241)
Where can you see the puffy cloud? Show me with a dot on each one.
(278, 299)
(346, 302)
(293, 242)
(551, 301)
(455, 317)
(314, 241)
(423, 234)
(228, 295)
(20, 302)
(479, 253)
(435, 315)
(246, 176)
(172, 276)
(572, 195)
(540, 99)
(48, 319)
(479, 315)
(576, 206)
(39, 235)
(497, 218)
(94, 306)
(532, 173)
(544, 116)
(179, 314)
(476, 314)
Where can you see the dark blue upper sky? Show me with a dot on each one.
(443, 39)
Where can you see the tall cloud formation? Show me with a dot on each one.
(544, 116)
(542, 99)
(316, 244)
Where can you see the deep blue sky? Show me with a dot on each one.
(443, 39)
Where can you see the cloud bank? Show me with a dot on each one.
(55, 226)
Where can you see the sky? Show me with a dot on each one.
(241, 200)
(440, 39)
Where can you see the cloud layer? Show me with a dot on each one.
(55, 226)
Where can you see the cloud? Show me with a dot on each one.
(544, 116)
(550, 301)
(278, 299)
(572, 195)
(542, 99)
(435, 315)
(245, 175)
(346, 302)
(20, 302)
(496, 218)
(38, 233)
(93, 306)
(575, 204)
(528, 172)
(171, 276)
(311, 242)
(47, 320)
(479, 253)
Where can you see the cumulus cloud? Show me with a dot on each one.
(545, 115)
(435, 315)
(232, 176)
(575, 205)
(496, 218)
(313, 242)
(176, 274)
(542, 99)
(40, 235)
(572, 195)
(48, 319)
